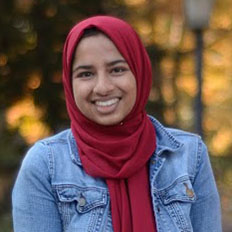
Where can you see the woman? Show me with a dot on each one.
(117, 169)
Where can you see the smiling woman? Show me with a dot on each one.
(117, 169)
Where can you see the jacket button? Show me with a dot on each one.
(81, 201)
(189, 191)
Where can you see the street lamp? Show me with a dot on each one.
(197, 14)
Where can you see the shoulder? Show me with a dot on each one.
(39, 156)
(193, 146)
(191, 141)
(175, 138)
(180, 148)
(186, 138)
(59, 138)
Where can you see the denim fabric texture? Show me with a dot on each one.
(52, 192)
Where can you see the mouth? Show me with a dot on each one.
(106, 106)
(107, 102)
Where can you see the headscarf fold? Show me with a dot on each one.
(118, 153)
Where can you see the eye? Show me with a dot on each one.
(118, 70)
(84, 74)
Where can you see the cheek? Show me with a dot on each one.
(132, 89)
(80, 92)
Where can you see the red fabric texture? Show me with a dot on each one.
(118, 153)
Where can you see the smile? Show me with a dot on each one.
(107, 103)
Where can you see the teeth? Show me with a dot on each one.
(107, 103)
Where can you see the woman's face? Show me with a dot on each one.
(104, 86)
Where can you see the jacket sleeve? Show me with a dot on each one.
(34, 205)
(206, 211)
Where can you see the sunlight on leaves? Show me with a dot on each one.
(221, 141)
(34, 81)
(135, 2)
(25, 116)
(3, 59)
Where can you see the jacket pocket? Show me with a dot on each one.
(181, 190)
(81, 208)
(177, 200)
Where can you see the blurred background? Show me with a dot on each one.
(186, 93)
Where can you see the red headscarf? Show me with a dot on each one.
(118, 153)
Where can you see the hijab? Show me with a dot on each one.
(118, 153)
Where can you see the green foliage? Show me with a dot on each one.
(12, 147)
(6, 223)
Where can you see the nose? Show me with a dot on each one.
(103, 85)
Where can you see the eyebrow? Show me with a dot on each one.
(116, 62)
(88, 67)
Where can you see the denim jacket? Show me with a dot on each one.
(53, 193)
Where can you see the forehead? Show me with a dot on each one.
(98, 45)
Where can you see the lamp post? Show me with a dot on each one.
(197, 14)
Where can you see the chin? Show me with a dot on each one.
(108, 121)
